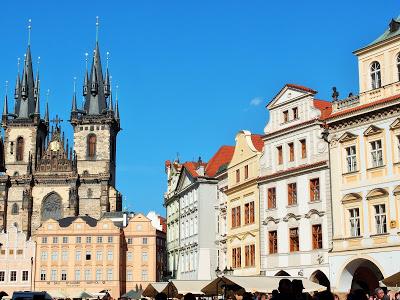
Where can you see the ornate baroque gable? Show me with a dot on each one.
(347, 136)
(372, 129)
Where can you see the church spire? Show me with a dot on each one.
(74, 105)
(46, 113)
(5, 108)
(116, 106)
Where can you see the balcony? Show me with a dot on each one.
(345, 103)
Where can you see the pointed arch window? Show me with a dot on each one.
(376, 75)
(398, 66)
(91, 148)
(20, 148)
(15, 209)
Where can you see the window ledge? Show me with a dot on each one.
(315, 201)
(291, 205)
(379, 234)
(349, 238)
(376, 168)
(396, 163)
(351, 172)
(271, 209)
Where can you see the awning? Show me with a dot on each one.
(393, 280)
(57, 294)
(182, 287)
(132, 294)
(262, 284)
(154, 288)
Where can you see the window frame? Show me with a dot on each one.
(376, 152)
(291, 152)
(315, 189)
(317, 238)
(354, 221)
(303, 144)
(273, 241)
(19, 153)
(292, 193)
(271, 198)
(380, 218)
(294, 239)
(375, 75)
(351, 158)
(91, 146)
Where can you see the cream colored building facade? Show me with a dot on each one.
(243, 226)
(365, 170)
(295, 205)
(145, 254)
(76, 254)
(17, 256)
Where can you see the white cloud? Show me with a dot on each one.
(256, 101)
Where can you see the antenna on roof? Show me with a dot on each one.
(29, 31)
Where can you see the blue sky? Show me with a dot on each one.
(190, 73)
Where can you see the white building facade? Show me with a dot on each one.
(17, 256)
(295, 187)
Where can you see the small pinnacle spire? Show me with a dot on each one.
(46, 114)
(86, 79)
(97, 28)
(18, 82)
(37, 108)
(37, 82)
(74, 108)
(5, 108)
(29, 31)
(107, 90)
(116, 105)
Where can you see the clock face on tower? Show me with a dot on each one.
(55, 146)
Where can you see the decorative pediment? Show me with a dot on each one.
(395, 124)
(291, 216)
(372, 129)
(314, 212)
(376, 193)
(347, 136)
(352, 197)
(185, 179)
(248, 233)
(289, 93)
(270, 219)
(396, 191)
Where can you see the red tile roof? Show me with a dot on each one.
(301, 87)
(192, 166)
(163, 223)
(324, 106)
(364, 106)
(223, 156)
(257, 141)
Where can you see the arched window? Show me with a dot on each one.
(375, 75)
(91, 149)
(20, 148)
(14, 209)
(398, 66)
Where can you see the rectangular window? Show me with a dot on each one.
(351, 158)
(25, 275)
(44, 240)
(295, 113)
(285, 116)
(398, 138)
(314, 190)
(303, 148)
(20, 252)
(129, 241)
(63, 275)
(271, 198)
(78, 240)
(53, 275)
(317, 236)
(144, 241)
(78, 255)
(129, 275)
(249, 251)
(43, 255)
(291, 151)
(64, 255)
(236, 257)
(273, 242)
(236, 216)
(249, 213)
(292, 194)
(144, 257)
(145, 275)
(98, 274)
(87, 274)
(129, 256)
(88, 239)
(109, 274)
(380, 218)
(246, 172)
(65, 240)
(279, 150)
(42, 275)
(294, 239)
(376, 153)
(13, 276)
(110, 255)
(237, 176)
(354, 214)
(2, 276)
(54, 255)
(88, 255)
(110, 239)
(99, 239)
(77, 275)
(99, 256)
(55, 240)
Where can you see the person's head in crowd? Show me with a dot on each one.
(274, 294)
(285, 286)
(324, 295)
(336, 297)
(297, 286)
(263, 296)
(379, 293)
(161, 296)
(246, 296)
(357, 295)
(230, 295)
(189, 296)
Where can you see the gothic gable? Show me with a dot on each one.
(185, 179)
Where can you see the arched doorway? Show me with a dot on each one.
(282, 273)
(320, 278)
(52, 207)
(360, 273)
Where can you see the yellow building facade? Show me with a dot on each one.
(243, 224)
(77, 254)
(364, 134)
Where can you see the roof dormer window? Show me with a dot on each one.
(375, 75)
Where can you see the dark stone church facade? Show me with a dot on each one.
(42, 176)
